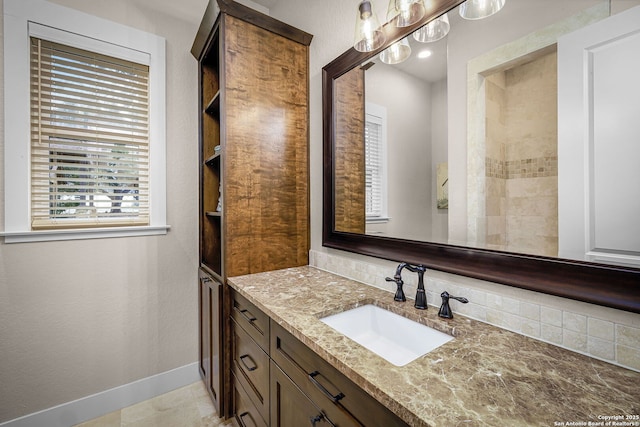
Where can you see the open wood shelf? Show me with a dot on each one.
(209, 160)
(213, 107)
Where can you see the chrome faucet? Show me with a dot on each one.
(421, 296)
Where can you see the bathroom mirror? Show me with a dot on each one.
(457, 233)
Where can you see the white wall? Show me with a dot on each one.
(80, 317)
(408, 103)
(439, 154)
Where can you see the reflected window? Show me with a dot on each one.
(375, 139)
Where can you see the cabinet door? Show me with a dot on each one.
(265, 142)
(210, 335)
(204, 329)
(290, 407)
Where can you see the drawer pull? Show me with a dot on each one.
(242, 416)
(314, 381)
(248, 316)
(249, 368)
(321, 417)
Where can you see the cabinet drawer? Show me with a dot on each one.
(344, 402)
(251, 319)
(246, 414)
(290, 407)
(251, 369)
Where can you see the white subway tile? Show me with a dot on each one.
(551, 333)
(628, 356)
(601, 349)
(601, 329)
(531, 328)
(551, 316)
(628, 336)
(530, 311)
(574, 341)
(574, 322)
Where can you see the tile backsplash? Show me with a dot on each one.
(600, 332)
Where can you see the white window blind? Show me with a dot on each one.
(373, 166)
(89, 139)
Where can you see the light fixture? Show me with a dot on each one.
(369, 35)
(397, 52)
(404, 13)
(478, 9)
(434, 30)
(424, 54)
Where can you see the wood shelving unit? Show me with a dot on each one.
(254, 188)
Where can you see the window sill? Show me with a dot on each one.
(378, 219)
(79, 234)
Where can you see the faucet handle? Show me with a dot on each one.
(445, 310)
(399, 296)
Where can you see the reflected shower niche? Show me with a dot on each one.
(521, 158)
(512, 142)
(534, 182)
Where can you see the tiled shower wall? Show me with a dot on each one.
(521, 163)
(600, 332)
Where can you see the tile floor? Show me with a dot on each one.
(188, 406)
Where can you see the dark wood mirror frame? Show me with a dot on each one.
(606, 285)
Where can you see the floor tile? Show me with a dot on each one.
(188, 406)
(110, 420)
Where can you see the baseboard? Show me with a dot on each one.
(96, 405)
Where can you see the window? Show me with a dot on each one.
(375, 161)
(84, 134)
(89, 138)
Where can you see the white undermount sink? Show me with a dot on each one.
(393, 337)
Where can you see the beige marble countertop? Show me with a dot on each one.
(486, 376)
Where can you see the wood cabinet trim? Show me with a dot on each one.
(247, 14)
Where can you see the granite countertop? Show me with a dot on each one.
(486, 376)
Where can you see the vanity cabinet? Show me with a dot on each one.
(250, 354)
(340, 401)
(279, 381)
(250, 363)
(253, 167)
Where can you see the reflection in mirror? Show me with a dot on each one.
(349, 165)
(409, 97)
(393, 142)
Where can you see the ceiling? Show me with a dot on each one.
(266, 3)
(192, 10)
(433, 68)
